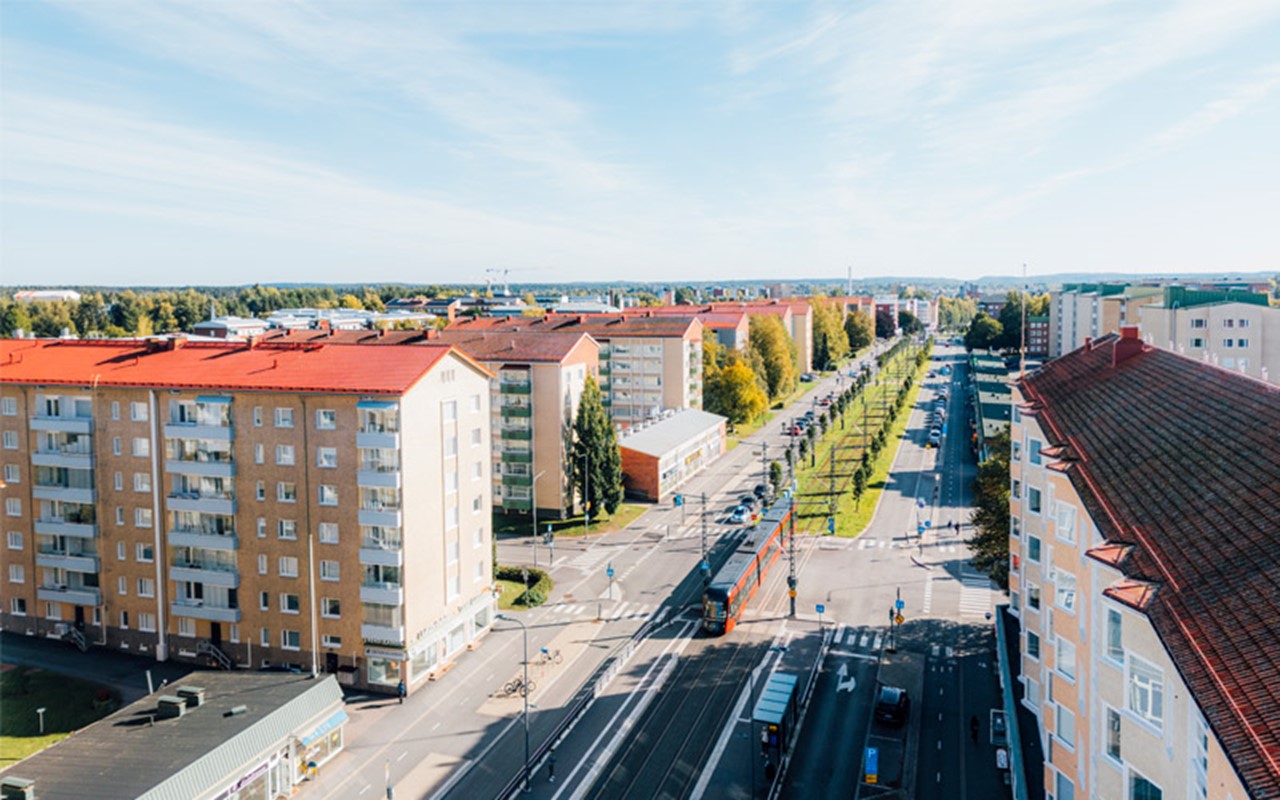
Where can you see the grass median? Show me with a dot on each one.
(69, 704)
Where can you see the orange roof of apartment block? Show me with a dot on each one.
(1179, 461)
(600, 326)
(313, 367)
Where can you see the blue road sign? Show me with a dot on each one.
(822, 609)
(706, 566)
(900, 604)
(920, 502)
(679, 500)
(609, 571)
(928, 523)
(873, 764)
(920, 530)
(831, 524)
(944, 430)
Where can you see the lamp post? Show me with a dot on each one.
(41, 711)
(525, 692)
(534, 508)
(586, 492)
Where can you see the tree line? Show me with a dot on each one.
(1005, 331)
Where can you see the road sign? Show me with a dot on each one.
(920, 529)
(706, 566)
(679, 500)
(831, 524)
(822, 609)
(899, 619)
(792, 592)
(928, 523)
(609, 570)
(873, 765)
(920, 502)
(900, 604)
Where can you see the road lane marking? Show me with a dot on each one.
(402, 755)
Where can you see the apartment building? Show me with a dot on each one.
(648, 363)
(1037, 345)
(730, 328)
(245, 503)
(1235, 330)
(1145, 573)
(797, 317)
(1080, 311)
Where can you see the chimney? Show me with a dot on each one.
(1088, 343)
(170, 706)
(194, 695)
(1128, 346)
(15, 788)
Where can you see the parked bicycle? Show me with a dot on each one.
(519, 685)
(551, 656)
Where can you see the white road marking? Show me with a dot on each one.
(866, 637)
(876, 645)
(402, 755)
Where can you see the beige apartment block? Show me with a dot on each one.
(1233, 335)
(1087, 311)
(306, 503)
(1145, 568)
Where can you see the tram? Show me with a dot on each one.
(734, 584)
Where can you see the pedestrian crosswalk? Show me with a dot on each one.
(975, 594)
(608, 611)
(590, 559)
(903, 544)
(857, 641)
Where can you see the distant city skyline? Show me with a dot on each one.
(234, 143)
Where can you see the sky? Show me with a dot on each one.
(229, 142)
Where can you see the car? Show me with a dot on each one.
(893, 705)
(748, 500)
(935, 439)
(946, 370)
(794, 430)
(760, 491)
(739, 515)
(826, 401)
(810, 414)
(808, 377)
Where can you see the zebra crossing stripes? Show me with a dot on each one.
(608, 612)
(927, 605)
(589, 560)
(861, 642)
(975, 594)
(933, 547)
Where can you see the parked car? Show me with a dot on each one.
(893, 705)
(808, 377)
(935, 438)
(748, 500)
(794, 430)
(739, 515)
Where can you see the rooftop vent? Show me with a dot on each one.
(194, 695)
(236, 711)
(15, 788)
(170, 706)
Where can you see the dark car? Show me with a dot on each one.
(760, 491)
(748, 500)
(892, 705)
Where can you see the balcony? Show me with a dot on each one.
(381, 555)
(382, 634)
(514, 387)
(210, 574)
(375, 437)
(208, 468)
(517, 480)
(62, 424)
(75, 595)
(517, 456)
(71, 457)
(387, 594)
(201, 503)
(66, 494)
(196, 537)
(518, 434)
(509, 412)
(61, 526)
(377, 475)
(190, 430)
(195, 609)
(517, 504)
(70, 561)
(384, 516)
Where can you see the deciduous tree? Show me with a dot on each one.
(859, 329)
(777, 354)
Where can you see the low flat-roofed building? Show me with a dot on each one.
(230, 327)
(226, 735)
(661, 455)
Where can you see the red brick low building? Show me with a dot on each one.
(660, 456)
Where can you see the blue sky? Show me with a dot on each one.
(232, 142)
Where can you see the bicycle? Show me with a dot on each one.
(551, 656)
(518, 685)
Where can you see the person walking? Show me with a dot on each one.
(401, 691)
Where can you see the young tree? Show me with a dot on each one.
(775, 475)
(777, 353)
(596, 463)
(991, 513)
(831, 343)
(884, 324)
(860, 330)
(909, 322)
(734, 393)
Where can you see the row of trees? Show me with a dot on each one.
(1006, 331)
(990, 517)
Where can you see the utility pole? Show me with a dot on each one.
(791, 551)
(764, 468)
(706, 558)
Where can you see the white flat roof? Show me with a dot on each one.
(661, 437)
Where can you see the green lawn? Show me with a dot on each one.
(69, 705)
(510, 591)
(521, 524)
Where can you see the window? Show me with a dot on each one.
(122, 586)
(257, 416)
(1015, 490)
(262, 564)
(119, 515)
(138, 412)
(18, 606)
(477, 537)
(289, 603)
(1197, 342)
(1228, 323)
(259, 454)
(476, 504)
(284, 455)
(1033, 451)
(329, 570)
(288, 567)
(332, 641)
(451, 518)
(265, 638)
(12, 474)
(1033, 645)
(1033, 500)
(1033, 597)
(287, 492)
(1142, 789)
(10, 440)
(284, 417)
(17, 573)
(262, 527)
(142, 482)
(1065, 590)
(118, 481)
(1243, 323)
(1115, 636)
(15, 540)
(1015, 527)
(451, 446)
(147, 622)
(1064, 788)
(451, 482)
(9, 406)
(326, 419)
(144, 553)
(1197, 323)
(1242, 342)
(120, 556)
(455, 586)
(1066, 521)
(450, 408)
(1113, 733)
(476, 437)
(475, 404)
(115, 446)
(1146, 691)
(142, 518)
(261, 490)
(327, 457)
(264, 601)
(146, 587)
(124, 616)
(477, 471)
(1033, 549)
(328, 533)
(287, 529)
(141, 446)
(1228, 342)
(479, 576)
(328, 495)
(13, 506)
(290, 640)
(1065, 658)
(330, 607)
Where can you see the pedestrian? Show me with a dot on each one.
(401, 691)
(551, 767)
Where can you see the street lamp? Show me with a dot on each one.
(41, 711)
(535, 516)
(586, 492)
(525, 692)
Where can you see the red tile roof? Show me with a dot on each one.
(600, 326)
(709, 318)
(313, 367)
(1181, 460)
(516, 346)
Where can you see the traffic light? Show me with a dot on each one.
(791, 581)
